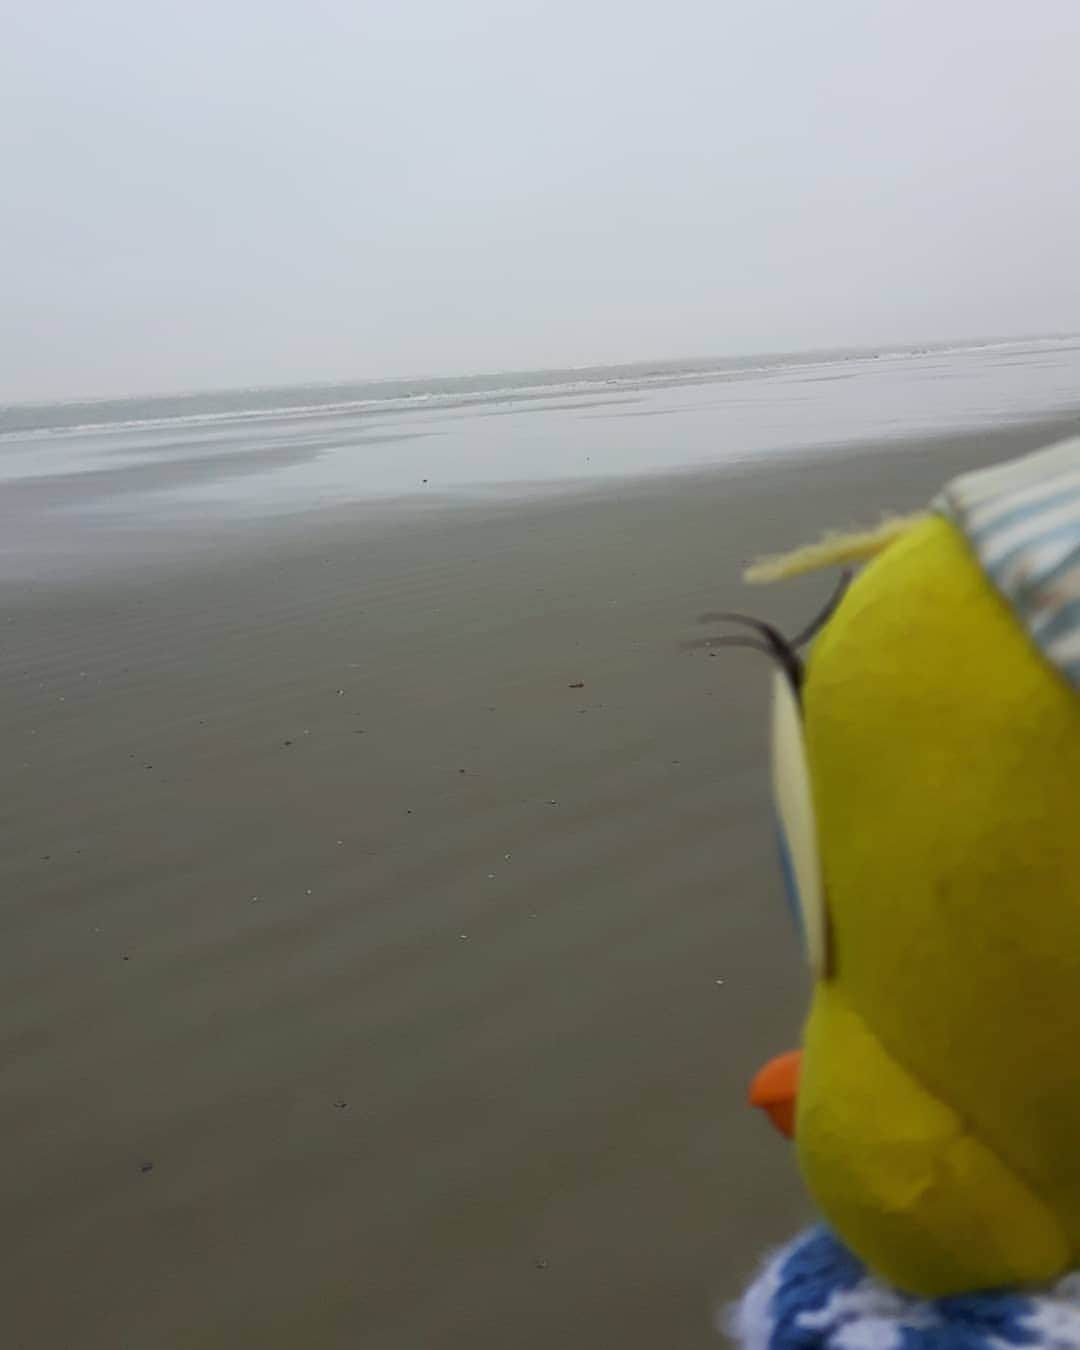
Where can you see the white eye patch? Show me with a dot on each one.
(794, 801)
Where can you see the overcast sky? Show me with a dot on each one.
(199, 193)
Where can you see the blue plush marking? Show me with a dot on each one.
(817, 1267)
(972, 1321)
(791, 888)
(815, 1293)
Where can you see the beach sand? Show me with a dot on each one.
(391, 923)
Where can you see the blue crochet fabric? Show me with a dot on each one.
(815, 1293)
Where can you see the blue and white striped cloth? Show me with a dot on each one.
(815, 1295)
(1023, 521)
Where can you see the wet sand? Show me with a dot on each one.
(391, 923)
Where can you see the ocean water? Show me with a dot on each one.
(77, 477)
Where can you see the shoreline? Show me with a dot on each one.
(128, 550)
(490, 385)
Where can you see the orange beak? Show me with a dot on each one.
(776, 1089)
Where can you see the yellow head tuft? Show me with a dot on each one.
(836, 549)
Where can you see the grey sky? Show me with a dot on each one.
(253, 191)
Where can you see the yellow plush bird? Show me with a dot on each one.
(927, 781)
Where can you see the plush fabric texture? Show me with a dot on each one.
(837, 549)
(1023, 521)
(815, 1293)
(940, 1100)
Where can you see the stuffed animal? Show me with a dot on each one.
(926, 763)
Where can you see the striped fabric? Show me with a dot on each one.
(1023, 521)
(815, 1295)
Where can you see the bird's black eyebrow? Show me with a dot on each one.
(766, 637)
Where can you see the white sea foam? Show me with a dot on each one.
(255, 404)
